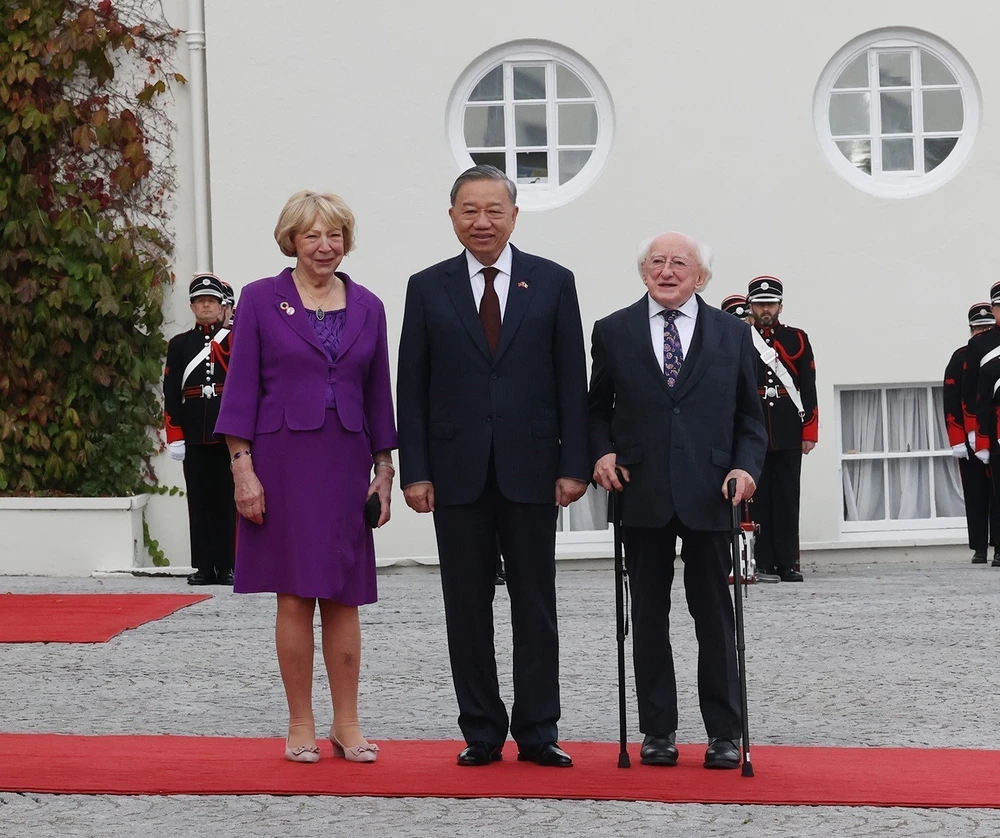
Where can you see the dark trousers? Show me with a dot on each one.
(467, 538)
(775, 506)
(649, 558)
(211, 507)
(982, 513)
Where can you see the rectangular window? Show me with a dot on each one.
(896, 465)
(589, 514)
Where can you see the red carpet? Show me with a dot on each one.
(910, 777)
(82, 618)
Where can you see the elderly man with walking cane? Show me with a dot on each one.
(674, 409)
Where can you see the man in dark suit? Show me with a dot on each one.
(492, 402)
(674, 410)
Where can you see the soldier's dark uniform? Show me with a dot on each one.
(191, 407)
(982, 513)
(983, 357)
(775, 504)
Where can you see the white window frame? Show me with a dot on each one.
(540, 196)
(897, 184)
(889, 528)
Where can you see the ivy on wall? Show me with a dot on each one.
(86, 177)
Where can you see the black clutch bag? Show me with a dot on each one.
(373, 511)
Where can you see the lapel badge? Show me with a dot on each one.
(290, 311)
(284, 305)
(522, 284)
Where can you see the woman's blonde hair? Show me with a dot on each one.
(305, 207)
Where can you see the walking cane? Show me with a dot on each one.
(621, 592)
(738, 590)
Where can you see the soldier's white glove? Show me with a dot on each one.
(960, 451)
(972, 440)
(176, 450)
(983, 457)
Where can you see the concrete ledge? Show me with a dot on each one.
(71, 536)
(147, 572)
(72, 503)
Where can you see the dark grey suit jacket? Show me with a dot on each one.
(678, 442)
(457, 403)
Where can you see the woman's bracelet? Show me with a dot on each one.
(385, 464)
(236, 456)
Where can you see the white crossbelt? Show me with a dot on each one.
(992, 355)
(770, 357)
(196, 361)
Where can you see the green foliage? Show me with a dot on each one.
(85, 177)
(152, 545)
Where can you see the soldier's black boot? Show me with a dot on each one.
(202, 577)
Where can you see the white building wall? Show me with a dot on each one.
(713, 120)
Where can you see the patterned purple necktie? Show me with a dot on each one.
(673, 353)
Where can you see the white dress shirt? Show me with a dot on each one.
(685, 322)
(501, 283)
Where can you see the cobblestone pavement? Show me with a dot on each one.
(877, 649)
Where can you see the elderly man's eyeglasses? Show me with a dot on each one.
(675, 264)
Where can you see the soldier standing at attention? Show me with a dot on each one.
(981, 395)
(194, 378)
(228, 304)
(786, 381)
(736, 304)
(982, 515)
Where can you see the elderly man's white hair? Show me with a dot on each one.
(702, 251)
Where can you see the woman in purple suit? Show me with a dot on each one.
(307, 415)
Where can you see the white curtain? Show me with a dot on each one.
(909, 479)
(864, 488)
(588, 513)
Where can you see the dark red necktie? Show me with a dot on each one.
(489, 310)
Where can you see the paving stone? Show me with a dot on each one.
(865, 652)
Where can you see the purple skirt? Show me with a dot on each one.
(313, 542)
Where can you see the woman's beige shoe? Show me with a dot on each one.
(360, 753)
(303, 753)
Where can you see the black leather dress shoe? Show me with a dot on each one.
(996, 558)
(202, 577)
(722, 753)
(548, 754)
(225, 578)
(659, 750)
(979, 557)
(791, 576)
(480, 753)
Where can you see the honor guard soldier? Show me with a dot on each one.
(983, 354)
(736, 304)
(786, 381)
(979, 346)
(228, 304)
(982, 513)
(192, 384)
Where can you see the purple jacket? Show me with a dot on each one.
(278, 371)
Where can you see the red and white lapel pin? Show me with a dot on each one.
(522, 284)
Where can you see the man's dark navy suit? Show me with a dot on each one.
(679, 443)
(493, 433)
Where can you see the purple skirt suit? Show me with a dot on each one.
(315, 401)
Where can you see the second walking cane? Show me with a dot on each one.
(738, 589)
(621, 622)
